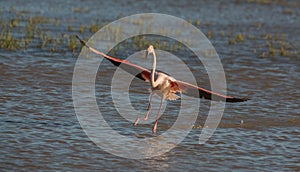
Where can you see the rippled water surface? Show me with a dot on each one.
(40, 130)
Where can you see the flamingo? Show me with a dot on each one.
(161, 83)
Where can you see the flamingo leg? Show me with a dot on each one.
(149, 106)
(156, 121)
(147, 113)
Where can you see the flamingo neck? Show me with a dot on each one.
(153, 70)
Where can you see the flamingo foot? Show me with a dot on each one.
(136, 121)
(154, 127)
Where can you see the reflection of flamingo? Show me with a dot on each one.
(162, 84)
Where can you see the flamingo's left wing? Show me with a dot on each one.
(138, 71)
(195, 91)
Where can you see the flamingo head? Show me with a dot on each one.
(150, 50)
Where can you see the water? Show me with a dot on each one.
(40, 131)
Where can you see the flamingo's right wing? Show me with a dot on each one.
(138, 71)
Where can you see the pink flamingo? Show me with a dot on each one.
(162, 84)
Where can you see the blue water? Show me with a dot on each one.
(40, 130)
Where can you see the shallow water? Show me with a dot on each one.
(40, 130)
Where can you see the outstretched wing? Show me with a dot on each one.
(176, 86)
(138, 71)
(195, 91)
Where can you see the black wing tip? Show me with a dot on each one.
(81, 41)
(234, 100)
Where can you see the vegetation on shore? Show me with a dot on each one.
(26, 31)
